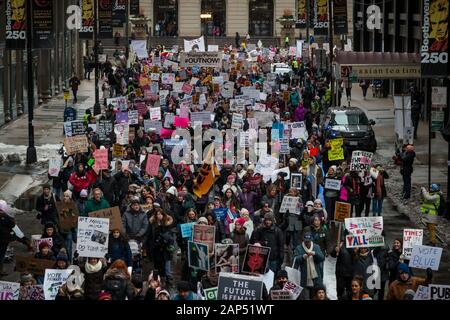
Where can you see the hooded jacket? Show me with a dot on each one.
(119, 249)
(134, 224)
(116, 282)
(270, 237)
(82, 180)
(344, 262)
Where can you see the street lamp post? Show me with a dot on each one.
(97, 108)
(31, 150)
(330, 36)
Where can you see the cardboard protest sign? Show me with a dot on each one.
(101, 159)
(34, 292)
(201, 59)
(337, 151)
(239, 287)
(411, 237)
(227, 257)
(34, 266)
(92, 239)
(361, 160)
(342, 211)
(53, 280)
(439, 292)
(76, 144)
(168, 78)
(186, 230)
(424, 257)
(211, 293)
(198, 255)
(67, 215)
(117, 151)
(152, 165)
(122, 132)
(422, 293)
(133, 117)
(364, 232)
(104, 131)
(289, 203)
(155, 113)
(9, 290)
(112, 214)
(54, 166)
(256, 260)
(333, 184)
(205, 235)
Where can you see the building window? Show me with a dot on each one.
(261, 18)
(215, 25)
(166, 18)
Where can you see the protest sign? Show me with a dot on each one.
(424, 257)
(67, 215)
(154, 76)
(204, 234)
(33, 265)
(237, 121)
(180, 122)
(101, 159)
(168, 78)
(422, 293)
(78, 128)
(186, 88)
(133, 117)
(280, 295)
(204, 117)
(155, 113)
(122, 132)
(293, 288)
(122, 117)
(342, 211)
(220, 213)
(227, 257)
(117, 151)
(152, 125)
(201, 59)
(411, 237)
(284, 146)
(361, 160)
(9, 290)
(227, 90)
(53, 280)
(104, 131)
(186, 230)
(36, 240)
(162, 99)
(211, 293)
(118, 102)
(298, 131)
(152, 166)
(213, 47)
(178, 87)
(76, 144)
(256, 260)
(337, 151)
(197, 44)
(439, 292)
(34, 292)
(296, 181)
(198, 255)
(92, 239)
(112, 214)
(364, 232)
(289, 203)
(54, 166)
(265, 119)
(239, 287)
(68, 128)
(333, 184)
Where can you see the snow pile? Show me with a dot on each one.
(44, 152)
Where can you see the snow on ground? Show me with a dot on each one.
(44, 152)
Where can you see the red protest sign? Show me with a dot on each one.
(152, 166)
(101, 159)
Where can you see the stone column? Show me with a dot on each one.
(237, 18)
(189, 22)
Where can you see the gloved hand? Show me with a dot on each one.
(38, 216)
(429, 274)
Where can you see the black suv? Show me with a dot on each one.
(351, 123)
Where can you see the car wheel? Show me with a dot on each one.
(375, 146)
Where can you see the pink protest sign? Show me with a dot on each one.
(152, 166)
(180, 122)
(101, 159)
(187, 88)
(141, 108)
(166, 133)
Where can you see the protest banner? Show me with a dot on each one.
(78, 144)
(197, 44)
(227, 257)
(293, 288)
(422, 293)
(411, 237)
(333, 184)
(67, 215)
(101, 159)
(9, 290)
(201, 59)
(439, 292)
(133, 117)
(256, 260)
(289, 203)
(104, 131)
(92, 238)
(117, 151)
(34, 292)
(53, 280)
(280, 295)
(237, 121)
(361, 160)
(211, 293)
(186, 230)
(198, 256)
(54, 166)
(342, 211)
(205, 235)
(168, 78)
(204, 117)
(239, 287)
(155, 113)
(150, 125)
(122, 117)
(337, 151)
(34, 266)
(78, 128)
(152, 165)
(364, 232)
(424, 257)
(112, 214)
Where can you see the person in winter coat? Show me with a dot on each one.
(122, 182)
(82, 179)
(353, 184)
(271, 198)
(97, 202)
(248, 198)
(118, 248)
(106, 184)
(81, 201)
(57, 241)
(269, 235)
(184, 292)
(219, 226)
(117, 282)
(379, 191)
(407, 159)
(46, 205)
(240, 237)
(395, 257)
(406, 281)
(307, 193)
(344, 269)
(293, 229)
(381, 258)
(134, 221)
(331, 195)
(300, 112)
(363, 259)
(94, 270)
(64, 175)
(318, 233)
(310, 258)
(69, 235)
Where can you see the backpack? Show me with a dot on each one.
(114, 286)
(441, 210)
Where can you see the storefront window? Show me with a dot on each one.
(261, 18)
(214, 26)
(166, 18)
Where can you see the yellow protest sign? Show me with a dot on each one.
(286, 96)
(342, 211)
(207, 176)
(336, 152)
(117, 151)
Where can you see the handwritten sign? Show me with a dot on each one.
(78, 144)
(204, 117)
(78, 128)
(186, 230)
(237, 121)
(155, 113)
(117, 151)
(92, 239)
(53, 280)
(9, 290)
(152, 166)
(411, 237)
(333, 184)
(152, 125)
(364, 232)
(289, 203)
(361, 160)
(54, 166)
(168, 78)
(101, 159)
(422, 293)
(336, 152)
(67, 215)
(424, 257)
(112, 214)
(104, 131)
(342, 211)
(133, 117)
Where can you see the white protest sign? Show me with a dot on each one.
(299, 131)
(364, 232)
(163, 96)
(213, 47)
(54, 166)
(154, 76)
(68, 128)
(133, 117)
(293, 288)
(237, 121)
(333, 184)
(155, 114)
(422, 293)
(424, 257)
(280, 295)
(361, 160)
(439, 292)
(92, 238)
(140, 48)
(227, 90)
(122, 133)
(178, 87)
(168, 78)
(197, 44)
(411, 237)
(53, 280)
(9, 290)
(204, 117)
(289, 203)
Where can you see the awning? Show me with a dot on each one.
(372, 58)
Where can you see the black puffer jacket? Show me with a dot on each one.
(270, 237)
(116, 282)
(344, 262)
(93, 281)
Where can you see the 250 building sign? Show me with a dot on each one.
(434, 57)
(16, 35)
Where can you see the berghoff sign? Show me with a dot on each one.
(387, 71)
(201, 59)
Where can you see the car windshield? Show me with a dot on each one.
(349, 118)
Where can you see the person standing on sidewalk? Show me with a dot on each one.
(407, 156)
(429, 209)
(379, 191)
(364, 84)
(416, 108)
(74, 82)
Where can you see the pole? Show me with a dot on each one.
(330, 35)
(127, 32)
(308, 8)
(31, 150)
(429, 128)
(448, 149)
(97, 109)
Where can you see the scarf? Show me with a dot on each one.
(93, 268)
(311, 272)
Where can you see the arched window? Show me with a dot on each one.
(216, 24)
(165, 18)
(260, 20)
